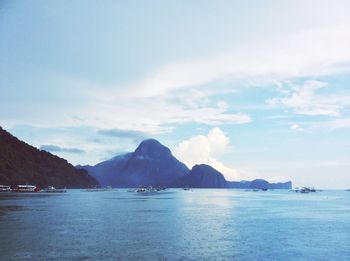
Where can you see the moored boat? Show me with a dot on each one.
(141, 190)
(160, 188)
(146, 189)
(95, 189)
(52, 189)
(26, 188)
(5, 188)
(305, 190)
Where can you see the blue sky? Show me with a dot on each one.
(258, 89)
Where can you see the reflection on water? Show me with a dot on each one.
(174, 225)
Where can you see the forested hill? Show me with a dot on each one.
(21, 163)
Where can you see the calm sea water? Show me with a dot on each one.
(175, 225)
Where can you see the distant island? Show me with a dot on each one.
(152, 164)
(21, 163)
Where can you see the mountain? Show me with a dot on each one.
(202, 176)
(150, 164)
(259, 184)
(21, 163)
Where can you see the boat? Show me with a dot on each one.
(307, 190)
(52, 189)
(264, 189)
(96, 189)
(348, 190)
(186, 188)
(146, 189)
(141, 190)
(5, 188)
(160, 188)
(26, 188)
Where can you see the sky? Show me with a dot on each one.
(257, 89)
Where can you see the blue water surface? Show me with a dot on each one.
(200, 224)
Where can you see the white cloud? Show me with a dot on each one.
(203, 149)
(314, 52)
(158, 115)
(296, 127)
(179, 92)
(305, 100)
(102, 107)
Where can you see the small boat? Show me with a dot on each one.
(95, 189)
(295, 190)
(141, 190)
(348, 190)
(92, 190)
(307, 190)
(26, 188)
(255, 190)
(160, 188)
(5, 188)
(186, 188)
(52, 189)
(146, 189)
(264, 189)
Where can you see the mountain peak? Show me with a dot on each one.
(202, 176)
(204, 167)
(150, 164)
(152, 148)
(150, 142)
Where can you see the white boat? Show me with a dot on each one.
(144, 189)
(52, 189)
(26, 188)
(5, 188)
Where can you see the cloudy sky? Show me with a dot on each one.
(257, 89)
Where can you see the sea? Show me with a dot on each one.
(198, 224)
